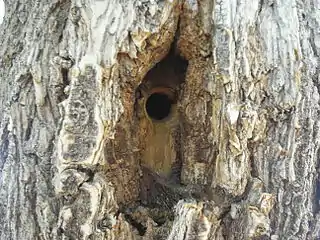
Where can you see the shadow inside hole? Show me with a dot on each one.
(170, 71)
(158, 106)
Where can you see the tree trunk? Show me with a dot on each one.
(160, 120)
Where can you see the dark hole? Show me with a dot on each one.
(158, 106)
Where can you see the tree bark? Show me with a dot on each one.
(88, 151)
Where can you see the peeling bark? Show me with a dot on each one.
(235, 157)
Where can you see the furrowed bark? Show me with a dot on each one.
(81, 156)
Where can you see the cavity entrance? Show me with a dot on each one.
(158, 106)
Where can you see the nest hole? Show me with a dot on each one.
(162, 83)
(158, 106)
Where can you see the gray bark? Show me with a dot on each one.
(237, 158)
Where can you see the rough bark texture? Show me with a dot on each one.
(237, 158)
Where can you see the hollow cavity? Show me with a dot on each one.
(158, 106)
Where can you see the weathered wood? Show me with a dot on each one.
(81, 159)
